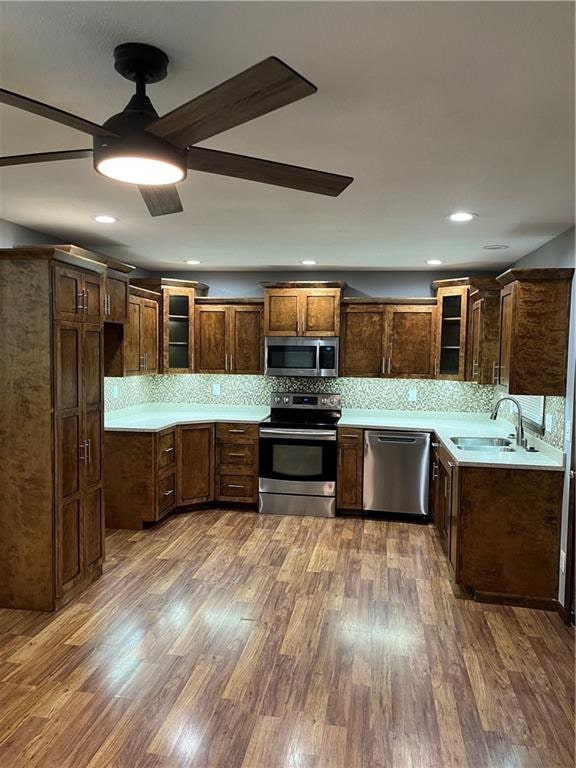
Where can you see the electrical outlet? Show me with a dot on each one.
(548, 422)
(115, 393)
(412, 395)
(563, 561)
(215, 389)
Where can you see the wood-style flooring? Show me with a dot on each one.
(225, 640)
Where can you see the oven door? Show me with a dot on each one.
(297, 461)
(291, 356)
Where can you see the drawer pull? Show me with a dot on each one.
(354, 436)
(237, 431)
(169, 493)
(230, 485)
(236, 454)
(167, 450)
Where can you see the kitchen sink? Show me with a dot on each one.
(482, 443)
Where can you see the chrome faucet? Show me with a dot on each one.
(520, 439)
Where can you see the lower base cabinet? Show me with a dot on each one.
(236, 462)
(139, 477)
(500, 529)
(349, 477)
(195, 463)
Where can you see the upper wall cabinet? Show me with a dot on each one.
(450, 336)
(116, 292)
(177, 321)
(302, 309)
(132, 349)
(78, 295)
(483, 336)
(389, 340)
(228, 338)
(534, 323)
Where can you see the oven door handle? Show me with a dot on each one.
(301, 434)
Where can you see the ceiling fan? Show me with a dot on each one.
(139, 147)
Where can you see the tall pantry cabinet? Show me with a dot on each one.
(51, 425)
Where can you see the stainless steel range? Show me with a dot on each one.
(298, 455)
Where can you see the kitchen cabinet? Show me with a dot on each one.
(388, 340)
(116, 296)
(349, 476)
(78, 295)
(441, 492)
(195, 463)
(51, 506)
(301, 309)
(139, 477)
(141, 337)
(228, 338)
(176, 333)
(483, 337)
(534, 325)
(236, 462)
(450, 335)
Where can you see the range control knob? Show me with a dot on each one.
(277, 399)
(324, 400)
(286, 400)
(332, 401)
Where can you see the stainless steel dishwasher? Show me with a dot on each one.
(396, 467)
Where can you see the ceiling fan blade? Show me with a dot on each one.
(260, 89)
(267, 171)
(52, 113)
(45, 157)
(161, 200)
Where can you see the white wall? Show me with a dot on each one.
(560, 252)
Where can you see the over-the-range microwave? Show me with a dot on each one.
(300, 356)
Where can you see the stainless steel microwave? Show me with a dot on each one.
(300, 356)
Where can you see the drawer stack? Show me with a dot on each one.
(166, 472)
(236, 462)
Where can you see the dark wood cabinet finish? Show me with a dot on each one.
(177, 331)
(508, 538)
(349, 477)
(236, 462)
(132, 349)
(534, 323)
(483, 337)
(116, 295)
(388, 340)
(228, 339)
(450, 335)
(442, 468)
(195, 448)
(139, 477)
(52, 542)
(311, 311)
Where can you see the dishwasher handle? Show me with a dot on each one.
(398, 438)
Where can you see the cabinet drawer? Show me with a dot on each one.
(239, 432)
(166, 493)
(237, 487)
(166, 453)
(241, 455)
(350, 435)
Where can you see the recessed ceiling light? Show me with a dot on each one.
(309, 262)
(495, 247)
(462, 216)
(434, 262)
(192, 261)
(104, 218)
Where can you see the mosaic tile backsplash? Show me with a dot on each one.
(386, 394)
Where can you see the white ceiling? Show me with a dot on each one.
(432, 107)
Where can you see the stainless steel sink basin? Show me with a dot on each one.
(482, 443)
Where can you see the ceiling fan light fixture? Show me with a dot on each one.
(140, 170)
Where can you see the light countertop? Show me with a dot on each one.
(154, 417)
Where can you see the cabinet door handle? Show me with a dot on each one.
(169, 493)
(495, 370)
(445, 487)
(434, 470)
(383, 366)
(141, 362)
(237, 431)
(82, 451)
(236, 454)
(436, 367)
(230, 485)
(389, 364)
(475, 369)
(89, 451)
(355, 437)
(80, 301)
(86, 291)
(167, 450)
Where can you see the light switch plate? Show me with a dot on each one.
(215, 389)
(412, 395)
